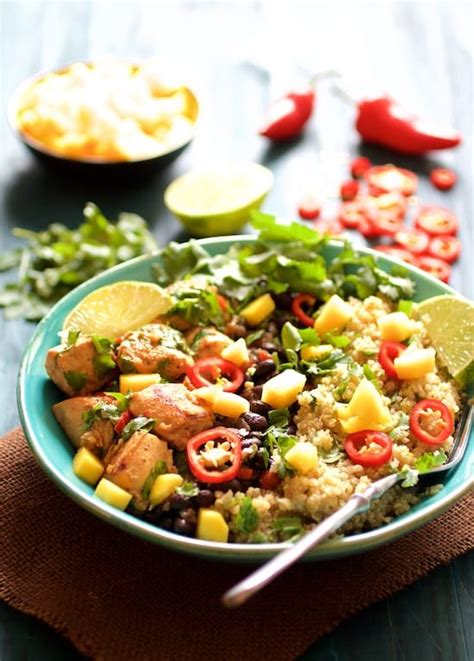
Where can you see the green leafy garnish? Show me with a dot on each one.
(75, 380)
(290, 337)
(430, 460)
(371, 376)
(72, 337)
(197, 306)
(158, 469)
(247, 518)
(331, 456)
(288, 527)
(338, 341)
(405, 306)
(254, 336)
(188, 489)
(410, 477)
(137, 424)
(279, 418)
(401, 427)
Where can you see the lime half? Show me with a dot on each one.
(112, 310)
(218, 200)
(449, 322)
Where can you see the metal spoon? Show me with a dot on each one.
(357, 504)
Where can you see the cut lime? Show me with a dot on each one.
(218, 200)
(112, 310)
(449, 322)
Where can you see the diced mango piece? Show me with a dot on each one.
(283, 389)
(334, 315)
(86, 466)
(208, 393)
(211, 526)
(236, 352)
(415, 363)
(230, 404)
(258, 310)
(310, 352)
(112, 494)
(366, 410)
(395, 327)
(136, 382)
(163, 486)
(303, 457)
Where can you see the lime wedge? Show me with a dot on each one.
(112, 310)
(218, 200)
(449, 322)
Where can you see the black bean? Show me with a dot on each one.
(263, 370)
(235, 423)
(205, 497)
(272, 328)
(256, 421)
(235, 329)
(250, 442)
(189, 515)
(232, 485)
(178, 502)
(257, 392)
(282, 301)
(269, 346)
(292, 429)
(258, 461)
(281, 321)
(182, 527)
(166, 522)
(257, 406)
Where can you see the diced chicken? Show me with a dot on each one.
(154, 348)
(205, 342)
(77, 370)
(69, 414)
(133, 461)
(179, 413)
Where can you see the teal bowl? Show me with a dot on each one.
(36, 395)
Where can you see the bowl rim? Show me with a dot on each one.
(333, 548)
(33, 143)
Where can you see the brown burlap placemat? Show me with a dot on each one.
(116, 597)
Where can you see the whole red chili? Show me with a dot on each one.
(443, 178)
(423, 408)
(349, 190)
(383, 121)
(297, 308)
(288, 115)
(387, 354)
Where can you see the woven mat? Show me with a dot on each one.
(116, 597)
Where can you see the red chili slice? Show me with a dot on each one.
(351, 214)
(386, 225)
(269, 480)
(413, 240)
(122, 421)
(215, 368)
(387, 354)
(423, 407)
(359, 166)
(400, 253)
(435, 267)
(436, 221)
(443, 178)
(370, 458)
(197, 467)
(296, 307)
(392, 204)
(245, 473)
(349, 190)
(222, 302)
(309, 209)
(367, 227)
(330, 227)
(390, 179)
(447, 248)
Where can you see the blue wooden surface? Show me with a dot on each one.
(421, 52)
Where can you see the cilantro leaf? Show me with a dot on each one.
(188, 489)
(288, 527)
(75, 380)
(430, 460)
(141, 423)
(158, 469)
(247, 518)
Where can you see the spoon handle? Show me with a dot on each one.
(359, 502)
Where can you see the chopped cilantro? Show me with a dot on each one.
(290, 337)
(254, 336)
(288, 527)
(188, 489)
(75, 380)
(410, 477)
(371, 376)
(430, 460)
(247, 518)
(137, 424)
(158, 469)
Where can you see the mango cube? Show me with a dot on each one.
(366, 410)
(310, 352)
(334, 315)
(395, 327)
(415, 363)
(208, 393)
(136, 382)
(211, 526)
(236, 352)
(230, 404)
(163, 486)
(283, 389)
(258, 310)
(303, 457)
(86, 466)
(112, 494)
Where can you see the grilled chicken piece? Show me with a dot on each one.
(77, 370)
(69, 415)
(133, 460)
(179, 413)
(205, 342)
(154, 348)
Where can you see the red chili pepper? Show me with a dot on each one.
(269, 480)
(447, 248)
(435, 267)
(245, 474)
(330, 227)
(367, 226)
(263, 354)
(349, 190)
(443, 178)
(436, 221)
(297, 309)
(370, 458)
(196, 465)
(309, 209)
(122, 421)
(422, 409)
(222, 302)
(413, 240)
(383, 121)
(351, 214)
(215, 368)
(393, 204)
(387, 354)
(386, 224)
(288, 115)
(399, 253)
(359, 166)
(390, 179)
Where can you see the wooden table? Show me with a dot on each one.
(420, 52)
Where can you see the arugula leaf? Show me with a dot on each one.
(158, 469)
(288, 527)
(430, 460)
(247, 518)
(141, 423)
(75, 380)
